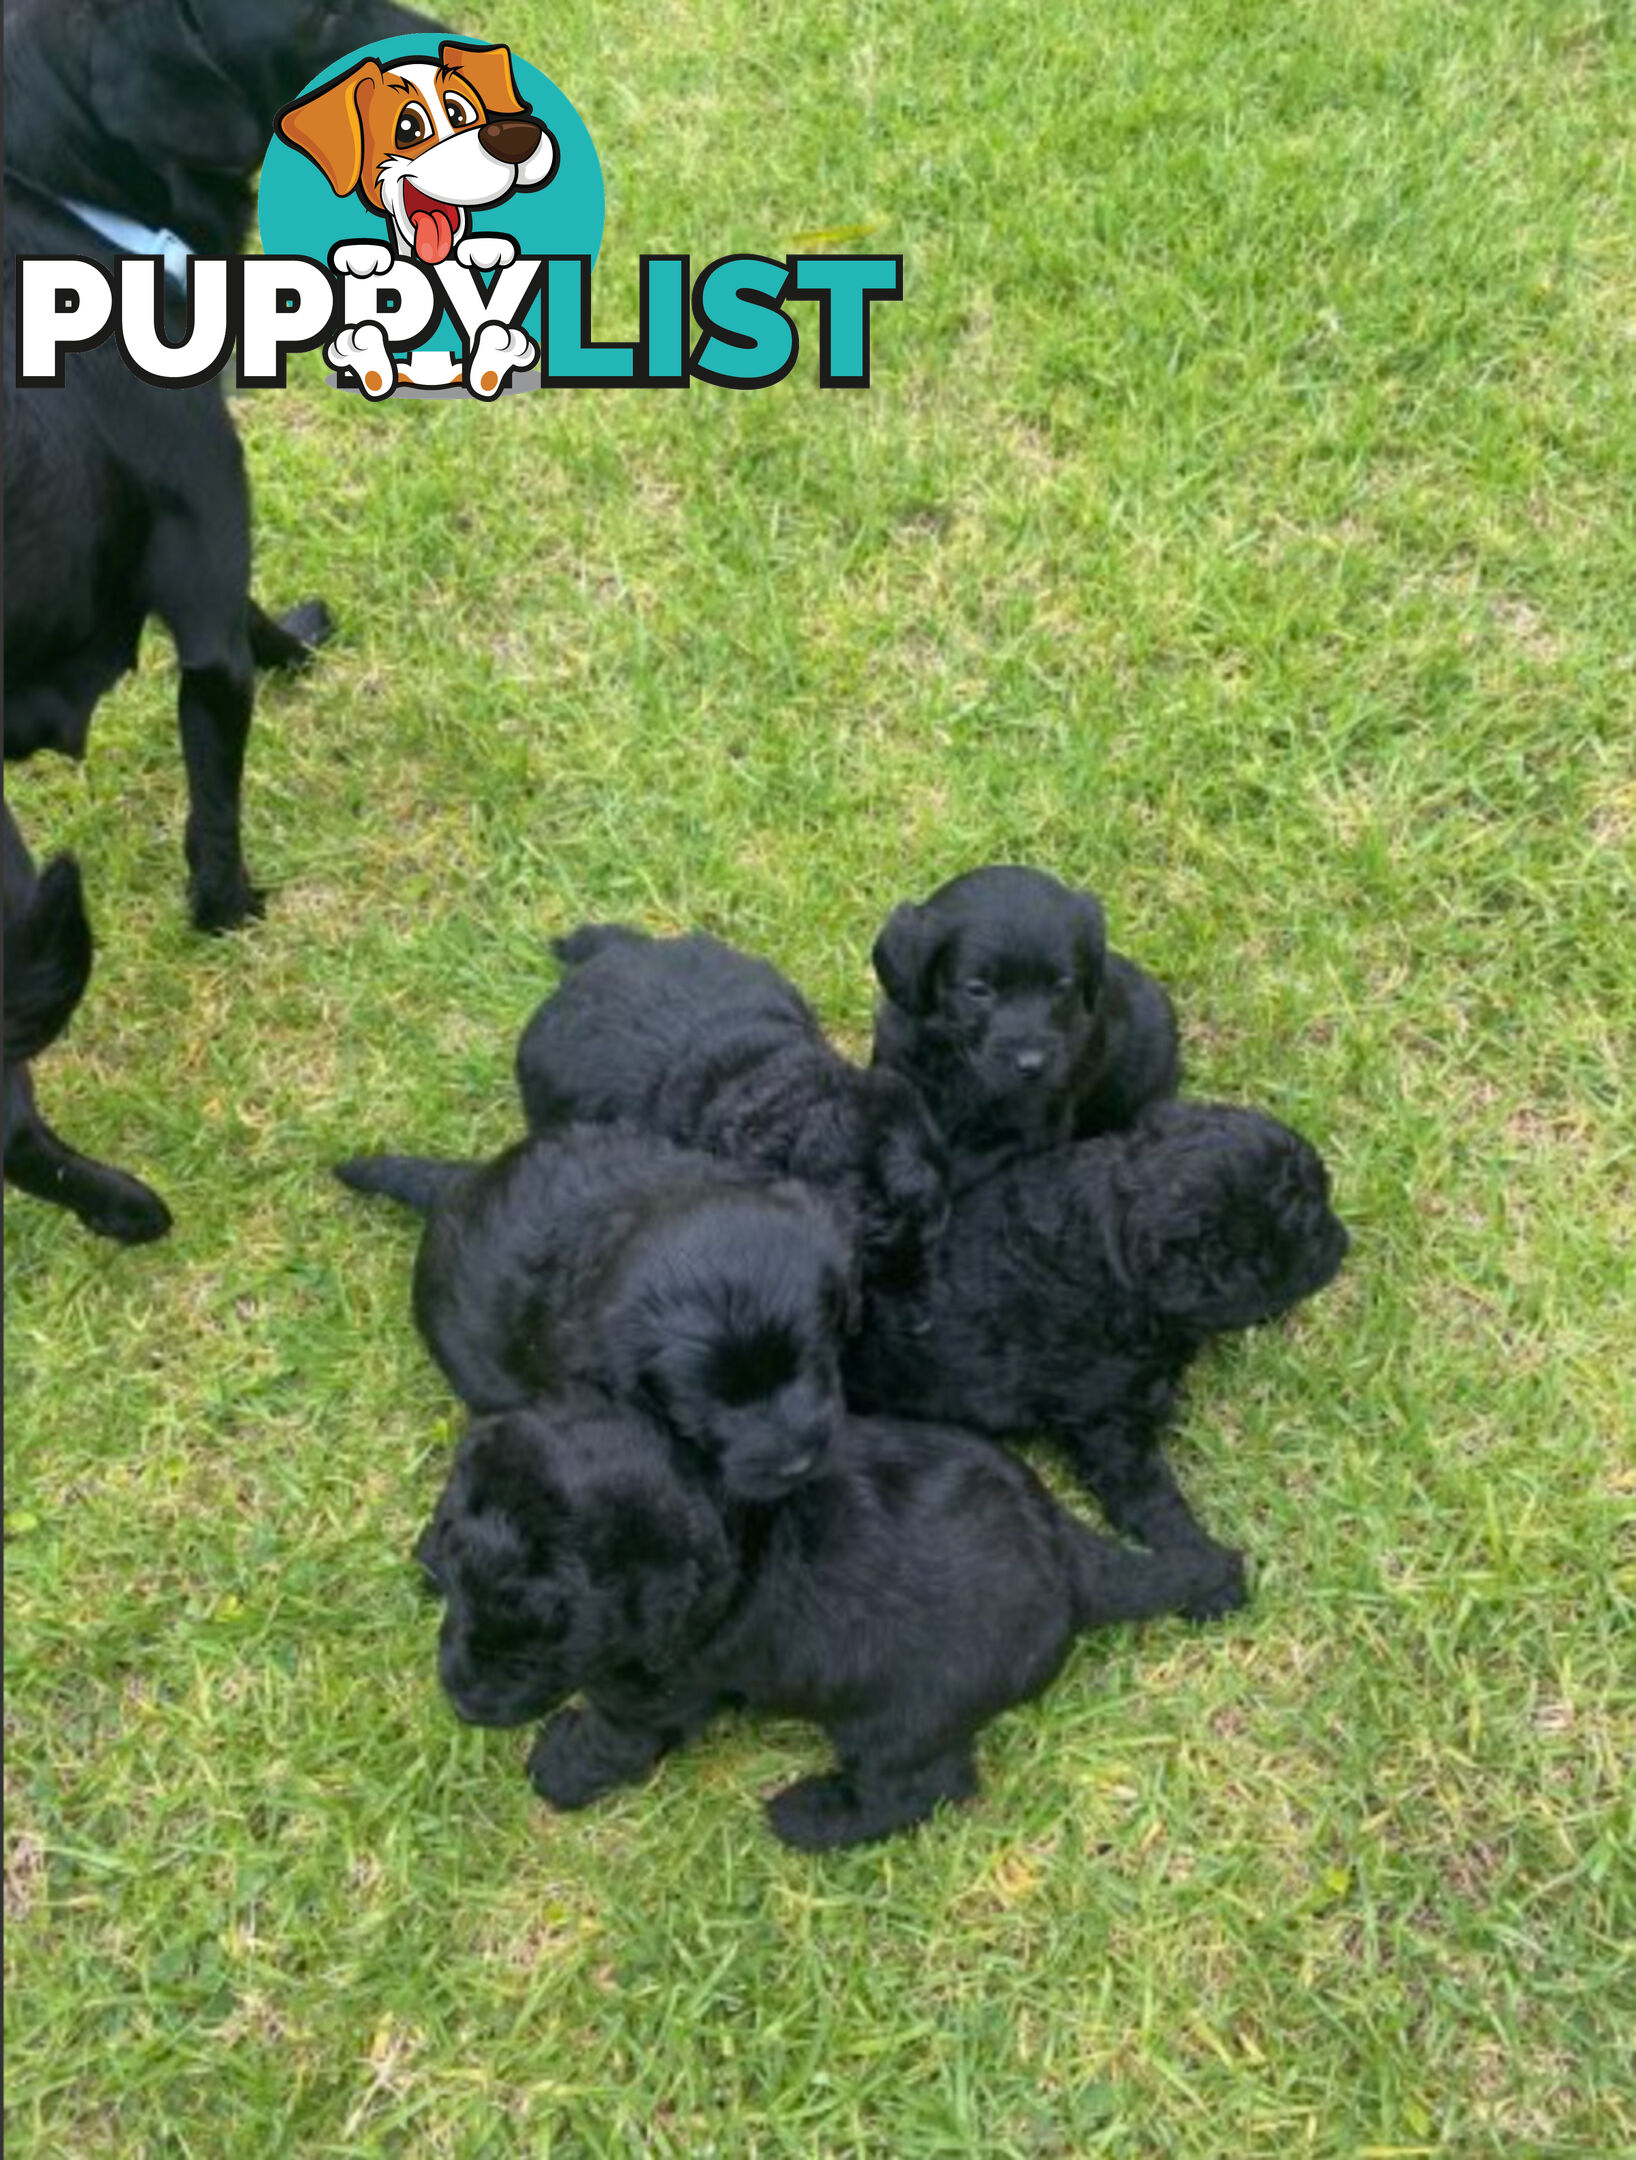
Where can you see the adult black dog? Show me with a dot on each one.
(1015, 1022)
(907, 1593)
(687, 1037)
(48, 963)
(1072, 1289)
(123, 498)
(665, 1277)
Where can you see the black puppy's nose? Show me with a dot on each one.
(513, 140)
(1030, 1063)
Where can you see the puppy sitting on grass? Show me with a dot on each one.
(665, 1278)
(1072, 1289)
(1019, 1028)
(914, 1587)
(687, 1037)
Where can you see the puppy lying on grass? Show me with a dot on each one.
(687, 1037)
(668, 1279)
(911, 1589)
(1017, 1025)
(1072, 1289)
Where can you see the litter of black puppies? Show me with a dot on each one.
(669, 1505)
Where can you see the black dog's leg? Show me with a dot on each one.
(865, 1799)
(106, 1200)
(292, 640)
(214, 712)
(197, 580)
(582, 1754)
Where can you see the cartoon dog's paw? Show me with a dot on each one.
(497, 351)
(363, 350)
(487, 251)
(361, 258)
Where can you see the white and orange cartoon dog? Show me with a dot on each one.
(423, 143)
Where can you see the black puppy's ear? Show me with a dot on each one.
(903, 956)
(155, 86)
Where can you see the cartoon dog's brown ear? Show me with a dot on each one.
(328, 127)
(487, 68)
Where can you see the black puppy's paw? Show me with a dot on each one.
(1223, 1589)
(817, 1814)
(124, 1209)
(225, 904)
(570, 1764)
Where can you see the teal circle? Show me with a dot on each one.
(300, 214)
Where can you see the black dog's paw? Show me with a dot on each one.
(226, 904)
(125, 1209)
(566, 1767)
(1225, 1589)
(311, 625)
(290, 642)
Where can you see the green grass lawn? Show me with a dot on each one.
(1241, 522)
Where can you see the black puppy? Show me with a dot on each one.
(48, 963)
(687, 1037)
(123, 498)
(909, 1592)
(1006, 1009)
(665, 1277)
(1073, 1288)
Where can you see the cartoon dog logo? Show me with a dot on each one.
(423, 143)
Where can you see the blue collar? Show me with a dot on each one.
(133, 238)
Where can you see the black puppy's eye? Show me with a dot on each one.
(1066, 983)
(978, 990)
(413, 127)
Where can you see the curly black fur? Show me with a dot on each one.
(687, 1037)
(667, 1278)
(1072, 1289)
(916, 1587)
(1016, 1024)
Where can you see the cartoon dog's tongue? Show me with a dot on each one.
(434, 224)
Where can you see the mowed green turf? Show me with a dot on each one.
(1240, 521)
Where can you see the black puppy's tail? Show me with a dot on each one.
(418, 1181)
(593, 937)
(1113, 1582)
(48, 961)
